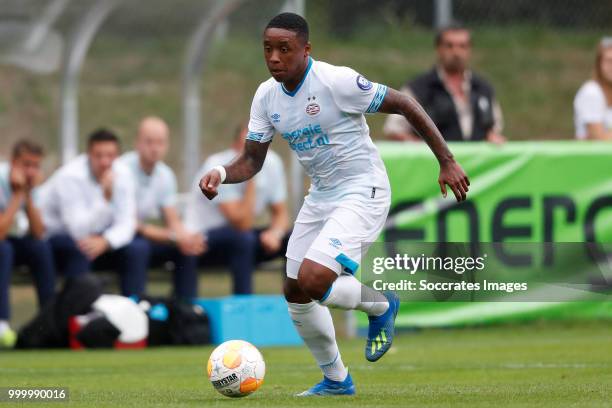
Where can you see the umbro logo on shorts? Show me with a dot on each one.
(335, 242)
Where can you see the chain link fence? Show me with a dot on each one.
(557, 14)
(133, 67)
(346, 18)
(536, 54)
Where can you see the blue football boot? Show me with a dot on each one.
(382, 329)
(330, 387)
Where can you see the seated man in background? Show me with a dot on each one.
(22, 230)
(228, 221)
(90, 213)
(461, 103)
(160, 230)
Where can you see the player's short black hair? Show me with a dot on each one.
(450, 27)
(27, 146)
(292, 22)
(102, 135)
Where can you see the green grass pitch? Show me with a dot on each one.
(537, 365)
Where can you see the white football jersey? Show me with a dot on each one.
(323, 122)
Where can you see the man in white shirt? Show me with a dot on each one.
(228, 222)
(90, 213)
(160, 229)
(22, 230)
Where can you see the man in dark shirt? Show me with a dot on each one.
(461, 103)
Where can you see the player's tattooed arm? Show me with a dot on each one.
(243, 167)
(247, 163)
(451, 173)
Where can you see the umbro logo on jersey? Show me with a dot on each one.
(313, 109)
(275, 117)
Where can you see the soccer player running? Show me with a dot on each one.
(319, 109)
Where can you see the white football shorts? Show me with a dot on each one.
(334, 233)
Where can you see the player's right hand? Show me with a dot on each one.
(209, 184)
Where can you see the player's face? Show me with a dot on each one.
(101, 157)
(286, 55)
(606, 65)
(454, 50)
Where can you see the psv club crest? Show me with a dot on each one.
(313, 108)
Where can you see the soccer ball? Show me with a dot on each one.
(236, 368)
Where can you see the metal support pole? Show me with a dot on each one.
(34, 46)
(42, 26)
(294, 6)
(443, 13)
(296, 174)
(78, 46)
(297, 178)
(195, 60)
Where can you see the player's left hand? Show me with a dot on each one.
(452, 174)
